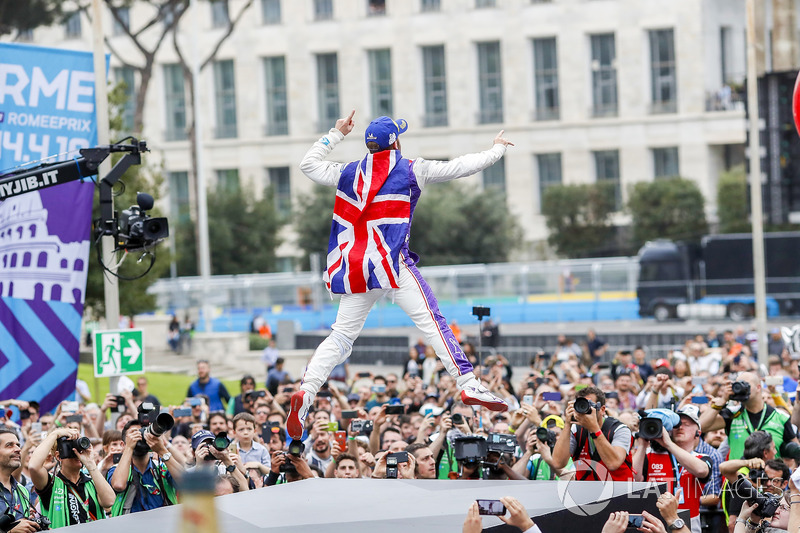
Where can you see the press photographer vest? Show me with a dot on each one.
(773, 422)
(58, 511)
(124, 502)
(23, 496)
(586, 452)
(661, 467)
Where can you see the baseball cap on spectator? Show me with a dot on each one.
(200, 436)
(384, 131)
(612, 394)
(553, 420)
(662, 362)
(692, 412)
(353, 397)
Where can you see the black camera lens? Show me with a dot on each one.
(221, 441)
(650, 428)
(582, 406)
(161, 424)
(458, 418)
(740, 391)
(83, 443)
(541, 434)
(766, 504)
(296, 448)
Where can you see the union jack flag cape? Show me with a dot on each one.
(371, 220)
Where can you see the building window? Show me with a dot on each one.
(277, 104)
(495, 176)
(220, 17)
(125, 76)
(281, 189)
(725, 54)
(431, 5)
(271, 11)
(665, 162)
(545, 75)
(327, 90)
(225, 99)
(122, 22)
(663, 79)
(485, 3)
(604, 75)
(228, 180)
(490, 83)
(380, 82)
(179, 208)
(323, 9)
(175, 98)
(606, 166)
(549, 167)
(72, 27)
(376, 8)
(435, 83)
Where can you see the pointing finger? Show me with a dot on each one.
(350, 116)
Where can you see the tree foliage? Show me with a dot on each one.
(671, 208)
(22, 15)
(454, 224)
(243, 234)
(133, 297)
(732, 207)
(312, 221)
(579, 218)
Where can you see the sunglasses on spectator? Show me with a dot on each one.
(262, 412)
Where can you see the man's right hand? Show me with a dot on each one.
(132, 437)
(25, 526)
(346, 125)
(278, 458)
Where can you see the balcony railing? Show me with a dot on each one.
(725, 99)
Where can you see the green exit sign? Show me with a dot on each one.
(118, 352)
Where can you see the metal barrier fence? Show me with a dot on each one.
(534, 281)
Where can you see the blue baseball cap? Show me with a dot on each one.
(384, 131)
(201, 436)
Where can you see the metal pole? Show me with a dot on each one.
(110, 283)
(200, 178)
(756, 208)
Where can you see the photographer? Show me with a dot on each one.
(70, 497)
(671, 458)
(596, 440)
(142, 484)
(739, 423)
(537, 461)
(759, 449)
(287, 468)
(15, 500)
(212, 451)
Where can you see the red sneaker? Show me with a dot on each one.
(476, 394)
(299, 405)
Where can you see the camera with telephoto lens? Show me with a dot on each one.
(653, 421)
(296, 448)
(153, 423)
(766, 504)
(66, 446)
(137, 230)
(740, 391)
(584, 406)
(546, 436)
(221, 441)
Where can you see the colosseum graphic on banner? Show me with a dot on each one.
(46, 108)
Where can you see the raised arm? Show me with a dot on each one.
(314, 165)
(460, 167)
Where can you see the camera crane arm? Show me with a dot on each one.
(87, 165)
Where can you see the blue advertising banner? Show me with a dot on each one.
(46, 108)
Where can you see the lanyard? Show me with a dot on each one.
(678, 473)
(11, 505)
(747, 419)
(84, 504)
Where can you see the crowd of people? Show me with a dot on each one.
(719, 430)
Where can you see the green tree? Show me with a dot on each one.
(732, 207)
(23, 15)
(667, 208)
(242, 233)
(454, 225)
(312, 221)
(133, 296)
(579, 218)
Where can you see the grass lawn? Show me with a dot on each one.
(169, 388)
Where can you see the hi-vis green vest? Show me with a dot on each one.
(57, 511)
(741, 429)
(122, 505)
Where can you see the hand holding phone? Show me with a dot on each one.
(491, 507)
(635, 521)
(395, 409)
(341, 439)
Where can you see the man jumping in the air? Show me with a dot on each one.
(368, 255)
